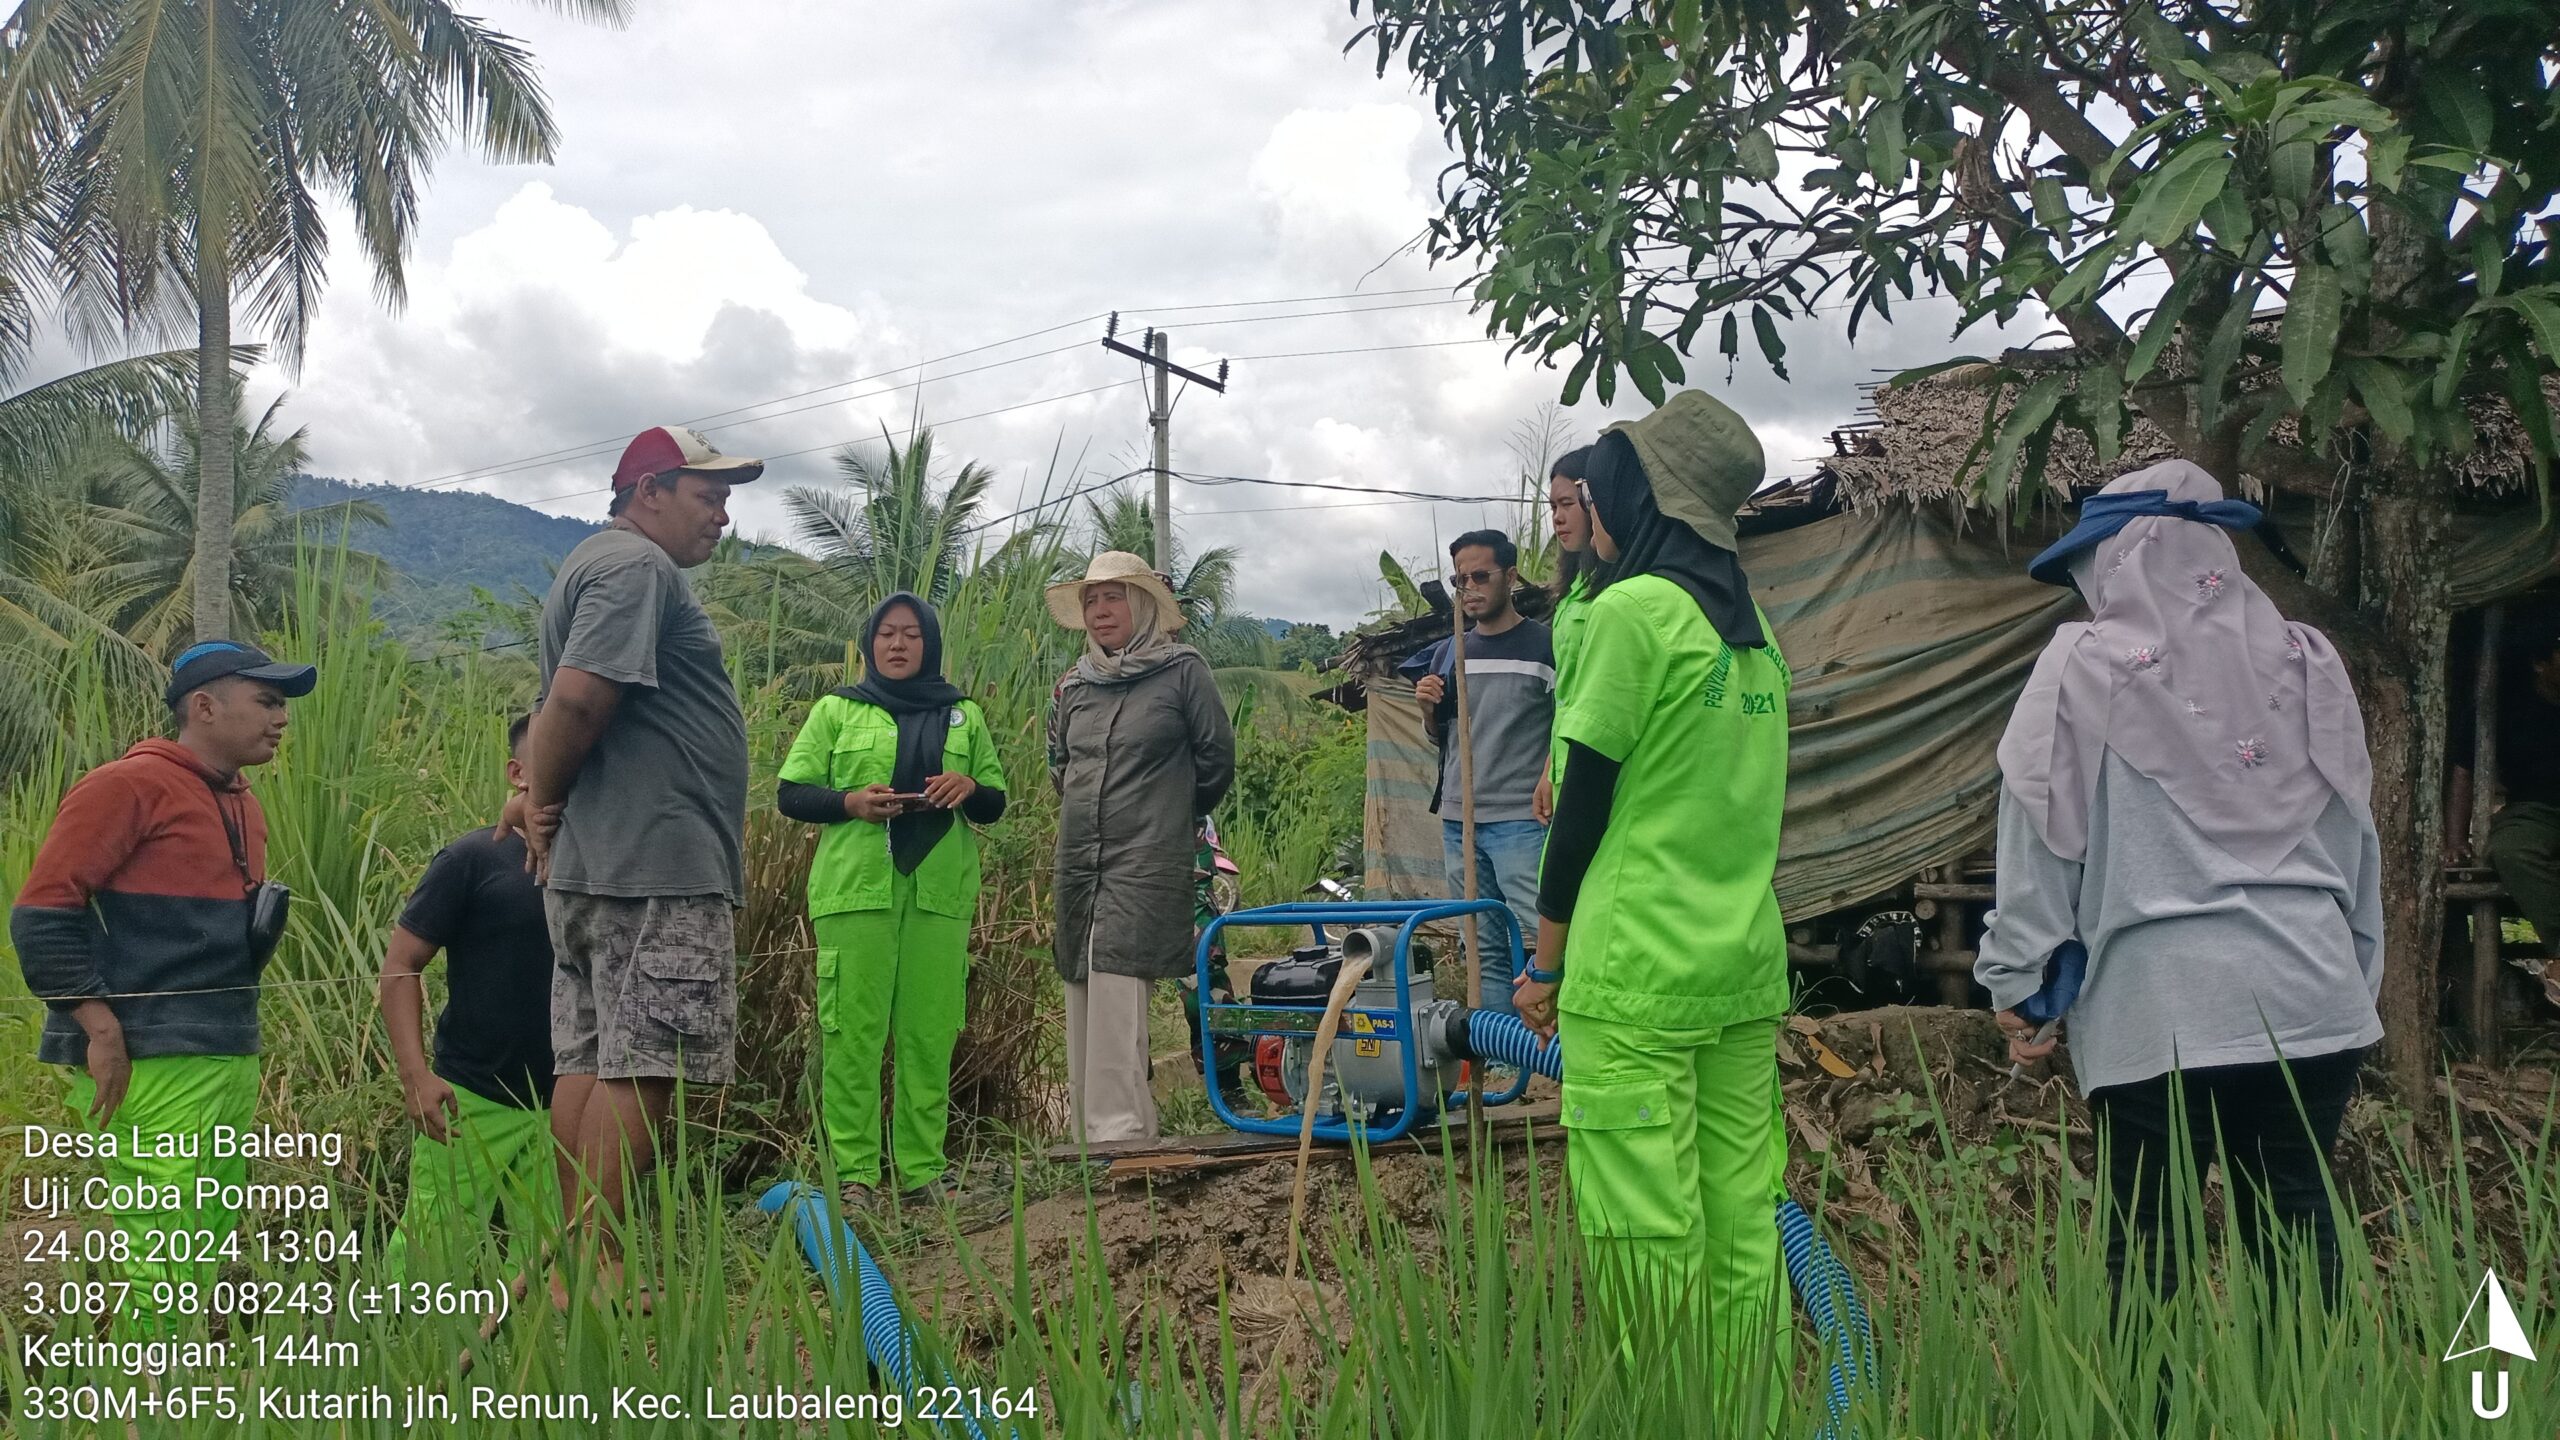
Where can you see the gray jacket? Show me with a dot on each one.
(1136, 764)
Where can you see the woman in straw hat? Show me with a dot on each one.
(1139, 748)
(1661, 958)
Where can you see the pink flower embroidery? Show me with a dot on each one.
(2252, 752)
(2275, 700)
(2209, 585)
(2142, 658)
(2293, 648)
(2194, 709)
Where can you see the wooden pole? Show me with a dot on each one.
(2482, 999)
(1467, 834)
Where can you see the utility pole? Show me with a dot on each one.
(1156, 357)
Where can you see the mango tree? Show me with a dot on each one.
(1637, 179)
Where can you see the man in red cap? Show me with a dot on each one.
(638, 793)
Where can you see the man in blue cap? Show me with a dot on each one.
(144, 926)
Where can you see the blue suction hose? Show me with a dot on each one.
(836, 1254)
(1824, 1286)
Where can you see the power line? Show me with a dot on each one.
(1368, 349)
(1344, 489)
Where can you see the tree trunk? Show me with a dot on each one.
(2407, 533)
(214, 416)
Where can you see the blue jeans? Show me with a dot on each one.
(1507, 856)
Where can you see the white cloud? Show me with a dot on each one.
(835, 190)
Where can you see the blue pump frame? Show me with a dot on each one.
(1396, 1023)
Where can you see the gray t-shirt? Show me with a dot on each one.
(660, 808)
(1511, 710)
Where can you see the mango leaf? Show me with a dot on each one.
(2222, 351)
(1772, 348)
(2099, 180)
(2163, 324)
(2385, 396)
(2087, 276)
(2289, 172)
(2456, 102)
(2100, 401)
(2348, 247)
(2386, 158)
(2310, 329)
(1757, 156)
(2540, 307)
(1887, 150)
(2489, 260)
(2053, 206)
(2173, 198)
(2449, 374)
(1579, 375)
(2227, 215)
(2031, 414)
(1729, 342)
(1923, 372)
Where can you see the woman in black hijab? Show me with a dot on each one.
(890, 765)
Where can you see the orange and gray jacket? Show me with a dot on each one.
(139, 896)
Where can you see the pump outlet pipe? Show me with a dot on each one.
(1823, 1285)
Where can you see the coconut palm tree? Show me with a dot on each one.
(140, 501)
(181, 153)
(892, 524)
(1205, 587)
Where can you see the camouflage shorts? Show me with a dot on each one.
(643, 988)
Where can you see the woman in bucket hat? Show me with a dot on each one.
(1659, 941)
(1139, 749)
(2186, 799)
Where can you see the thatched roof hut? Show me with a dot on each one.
(1919, 437)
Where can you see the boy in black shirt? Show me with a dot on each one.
(483, 1107)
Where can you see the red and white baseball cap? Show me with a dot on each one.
(664, 448)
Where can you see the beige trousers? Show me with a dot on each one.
(1107, 1094)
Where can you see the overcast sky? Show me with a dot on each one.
(756, 198)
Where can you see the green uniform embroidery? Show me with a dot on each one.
(893, 950)
(1677, 925)
(500, 1157)
(173, 1095)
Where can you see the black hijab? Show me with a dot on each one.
(1652, 543)
(922, 704)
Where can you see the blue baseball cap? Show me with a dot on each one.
(2103, 515)
(201, 665)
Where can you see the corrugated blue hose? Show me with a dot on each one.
(1824, 1286)
(828, 1242)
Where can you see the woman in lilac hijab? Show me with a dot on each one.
(2186, 798)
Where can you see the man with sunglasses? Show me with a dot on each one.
(144, 926)
(1511, 706)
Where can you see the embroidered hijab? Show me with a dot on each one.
(2190, 675)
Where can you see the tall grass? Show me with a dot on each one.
(1991, 1321)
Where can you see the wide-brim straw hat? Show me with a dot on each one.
(1114, 567)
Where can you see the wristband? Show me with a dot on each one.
(1542, 977)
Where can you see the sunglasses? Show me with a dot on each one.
(1476, 579)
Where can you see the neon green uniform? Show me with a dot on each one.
(893, 950)
(1572, 617)
(173, 1102)
(500, 1157)
(1675, 968)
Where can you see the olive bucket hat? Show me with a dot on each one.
(1703, 460)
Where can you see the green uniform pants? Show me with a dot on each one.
(1676, 1157)
(499, 1156)
(894, 980)
(172, 1228)
(2524, 845)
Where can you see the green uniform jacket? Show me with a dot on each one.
(847, 745)
(1677, 925)
(1573, 613)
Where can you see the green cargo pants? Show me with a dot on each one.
(894, 980)
(1676, 1157)
(499, 1157)
(2524, 846)
(173, 1245)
